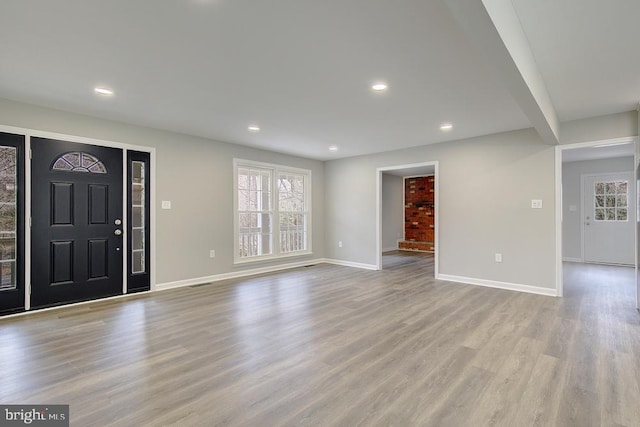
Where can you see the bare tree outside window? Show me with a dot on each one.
(292, 212)
(254, 212)
(610, 201)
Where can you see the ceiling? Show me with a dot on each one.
(587, 52)
(302, 70)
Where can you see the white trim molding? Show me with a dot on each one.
(558, 221)
(235, 274)
(570, 259)
(552, 292)
(350, 264)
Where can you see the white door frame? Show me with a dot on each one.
(29, 133)
(379, 171)
(558, 220)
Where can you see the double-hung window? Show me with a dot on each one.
(272, 211)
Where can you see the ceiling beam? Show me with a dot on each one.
(494, 26)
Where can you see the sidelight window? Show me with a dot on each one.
(272, 210)
(138, 217)
(139, 221)
(610, 200)
(8, 217)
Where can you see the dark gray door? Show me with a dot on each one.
(76, 243)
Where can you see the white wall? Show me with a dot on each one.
(196, 175)
(392, 211)
(599, 128)
(571, 182)
(486, 187)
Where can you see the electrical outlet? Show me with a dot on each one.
(339, 243)
(536, 204)
(498, 257)
(212, 253)
(166, 204)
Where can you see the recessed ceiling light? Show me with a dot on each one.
(333, 148)
(379, 86)
(103, 91)
(446, 126)
(253, 128)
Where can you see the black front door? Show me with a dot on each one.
(76, 234)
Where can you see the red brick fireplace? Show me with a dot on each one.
(419, 214)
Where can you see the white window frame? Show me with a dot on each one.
(276, 170)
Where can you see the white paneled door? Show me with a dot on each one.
(609, 218)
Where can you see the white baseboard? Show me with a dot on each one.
(351, 264)
(390, 249)
(234, 275)
(500, 285)
(570, 259)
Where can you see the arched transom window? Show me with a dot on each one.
(79, 162)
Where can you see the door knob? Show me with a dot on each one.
(117, 222)
(117, 232)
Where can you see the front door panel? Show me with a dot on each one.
(76, 244)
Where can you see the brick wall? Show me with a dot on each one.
(419, 214)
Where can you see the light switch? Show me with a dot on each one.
(536, 204)
(166, 204)
(573, 208)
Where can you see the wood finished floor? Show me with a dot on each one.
(328, 345)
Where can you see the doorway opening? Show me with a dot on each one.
(596, 205)
(391, 203)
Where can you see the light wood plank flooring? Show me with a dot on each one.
(328, 345)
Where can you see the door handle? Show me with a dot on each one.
(118, 232)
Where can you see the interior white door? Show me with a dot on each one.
(609, 218)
